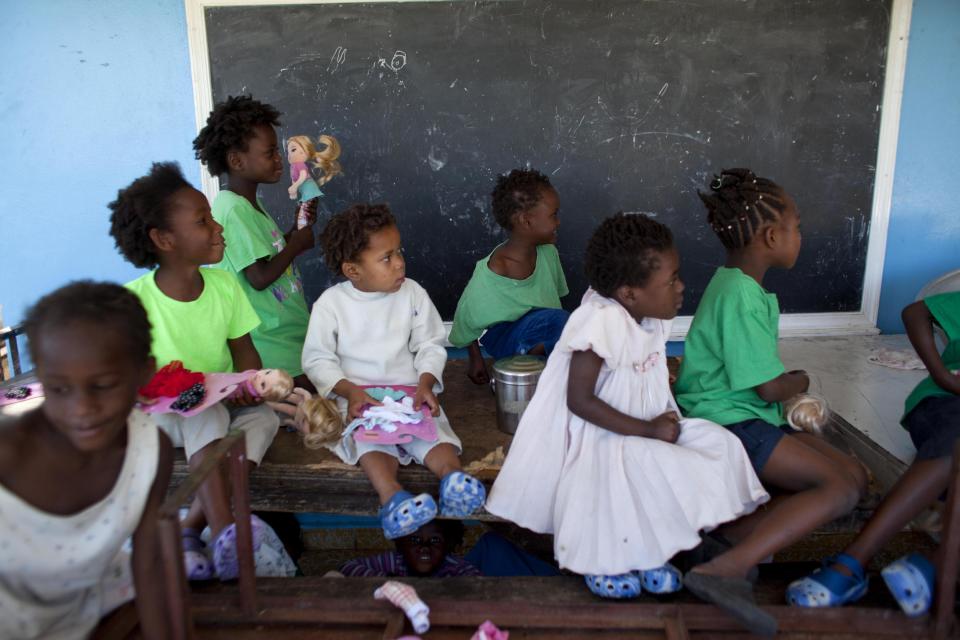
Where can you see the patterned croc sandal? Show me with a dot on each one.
(461, 494)
(196, 563)
(910, 580)
(665, 579)
(225, 556)
(404, 513)
(827, 587)
(619, 587)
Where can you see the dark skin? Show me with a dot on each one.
(424, 550)
(517, 259)
(924, 480)
(192, 238)
(66, 455)
(823, 482)
(660, 297)
(381, 267)
(247, 169)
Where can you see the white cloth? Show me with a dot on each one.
(373, 338)
(60, 574)
(618, 503)
(377, 339)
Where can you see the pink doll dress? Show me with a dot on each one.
(619, 503)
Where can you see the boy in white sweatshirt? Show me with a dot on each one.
(379, 328)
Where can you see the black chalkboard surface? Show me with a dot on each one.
(625, 105)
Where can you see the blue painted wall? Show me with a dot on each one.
(924, 237)
(92, 92)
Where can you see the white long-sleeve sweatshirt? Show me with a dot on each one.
(374, 338)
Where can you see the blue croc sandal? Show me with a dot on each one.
(404, 513)
(827, 587)
(619, 587)
(461, 494)
(665, 579)
(910, 580)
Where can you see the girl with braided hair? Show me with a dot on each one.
(732, 375)
(602, 458)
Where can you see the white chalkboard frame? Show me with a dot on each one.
(863, 322)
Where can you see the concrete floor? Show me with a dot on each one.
(867, 395)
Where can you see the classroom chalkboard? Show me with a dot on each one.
(624, 104)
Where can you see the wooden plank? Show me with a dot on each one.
(295, 479)
(522, 603)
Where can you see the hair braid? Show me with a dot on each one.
(740, 205)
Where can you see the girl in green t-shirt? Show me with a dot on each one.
(933, 421)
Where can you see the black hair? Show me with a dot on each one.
(142, 206)
(740, 205)
(624, 250)
(112, 308)
(230, 126)
(451, 530)
(347, 233)
(517, 191)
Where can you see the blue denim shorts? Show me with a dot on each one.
(759, 439)
(537, 326)
(934, 426)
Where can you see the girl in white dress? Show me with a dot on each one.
(82, 473)
(602, 458)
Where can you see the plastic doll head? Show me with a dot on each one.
(319, 421)
(299, 149)
(807, 412)
(273, 384)
(302, 149)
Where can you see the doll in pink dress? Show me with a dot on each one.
(300, 150)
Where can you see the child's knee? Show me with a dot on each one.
(846, 491)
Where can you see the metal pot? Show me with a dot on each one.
(515, 381)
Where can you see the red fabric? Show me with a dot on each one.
(170, 381)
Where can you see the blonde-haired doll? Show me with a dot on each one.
(300, 150)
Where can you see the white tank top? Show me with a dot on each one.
(60, 574)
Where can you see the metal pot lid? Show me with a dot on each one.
(519, 368)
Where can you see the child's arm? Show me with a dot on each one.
(477, 369)
(426, 344)
(245, 358)
(265, 271)
(147, 562)
(371, 566)
(919, 324)
(581, 400)
(425, 394)
(356, 397)
(783, 387)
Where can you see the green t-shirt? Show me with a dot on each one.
(491, 298)
(730, 349)
(251, 235)
(945, 309)
(196, 332)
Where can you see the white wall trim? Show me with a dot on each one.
(794, 324)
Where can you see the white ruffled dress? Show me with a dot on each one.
(618, 503)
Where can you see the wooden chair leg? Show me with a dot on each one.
(241, 514)
(175, 579)
(949, 555)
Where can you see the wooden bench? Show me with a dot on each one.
(533, 607)
(295, 479)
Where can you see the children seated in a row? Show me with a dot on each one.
(380, 328)
(202, 318)
(239, 140)
(620, 506)
(512, 303)
(932, 418)
(82, 473)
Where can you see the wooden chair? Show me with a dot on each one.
(10, 352)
